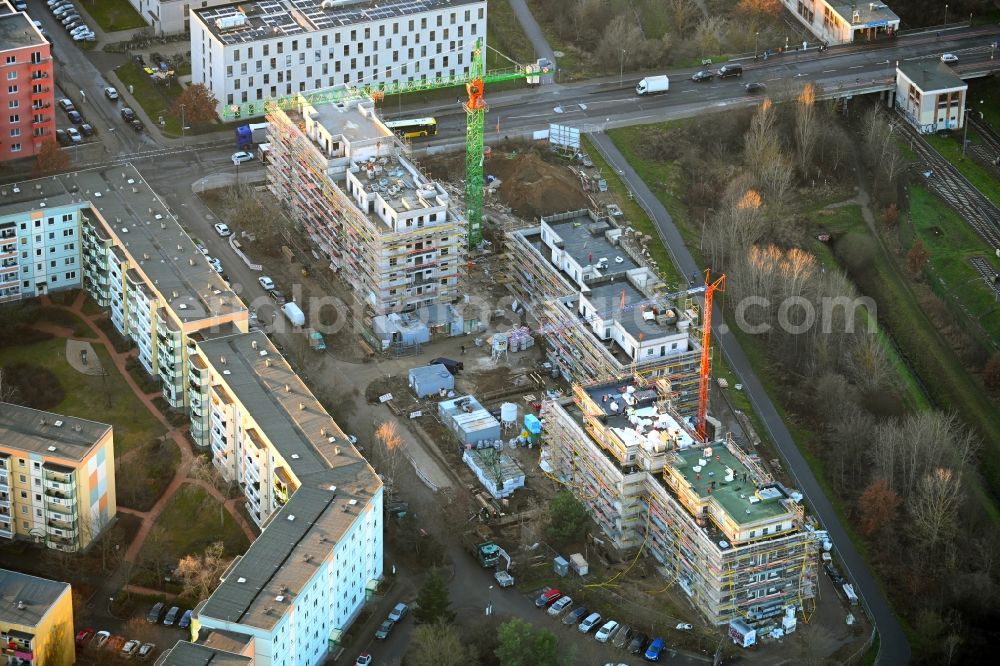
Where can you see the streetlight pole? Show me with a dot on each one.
(755, 36)
(621, 67)
(946, 14)
(183, 128)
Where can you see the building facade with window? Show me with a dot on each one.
(931, 96)
(36, 620)
(171, 17)
(842, 22)
(57, 478)
(27, 88)
(249, 52)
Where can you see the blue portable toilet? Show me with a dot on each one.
(534, 427)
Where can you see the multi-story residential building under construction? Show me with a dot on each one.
(602, 311)
(389, 231)
(715, 522)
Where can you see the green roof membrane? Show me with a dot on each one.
(734, 496)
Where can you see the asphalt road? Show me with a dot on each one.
(598, 105)
(894, 648)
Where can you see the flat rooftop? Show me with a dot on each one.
(350, 122)
(36, 595)
(17, 31)
(140, 221)
(738, 497)
(185, 653)
(265, 19)
(257, 376)
(401, 185)
(584, 240)
(261, 586)
(36, 431)
(931, 75)
(869, 14)
(634, 412)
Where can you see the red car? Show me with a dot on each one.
(547, 598)
(83, 637)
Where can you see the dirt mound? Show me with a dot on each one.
(530, 185)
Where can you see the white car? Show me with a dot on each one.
(589, 623)
(604, 633)
(74, 135)
(683, 626)
(266, 282)
(87, 36)
(216, 265)
(100, 638)
(78, 29)
(111, 93)
(949, 57)
(560, 605)
(241, 157)
(222, 229)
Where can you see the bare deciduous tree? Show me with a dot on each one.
(390, 446)
(200, 573)
(934, 506)
(907, 451)
(868, 360)
(806, 128)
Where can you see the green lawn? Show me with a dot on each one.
(636, 217)
(951, 242)
(108, 399)
(154, 99)
(504, 33)
(190, 522)
(987, 90)
(113, 15)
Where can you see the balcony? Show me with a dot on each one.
(40, 120)
(6, 532)
(59, 488)
(58, 532)
(57, 503)
(4, 482)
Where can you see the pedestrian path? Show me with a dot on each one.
(177, 435)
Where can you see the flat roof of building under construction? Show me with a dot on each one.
(706, 474)
(348, 120)
(583, 239)
(401, 185)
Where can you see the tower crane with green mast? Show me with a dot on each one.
(475, 107)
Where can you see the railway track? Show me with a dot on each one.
(987, 134)
(946, 181)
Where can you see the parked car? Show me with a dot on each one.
(153, 616)
(116, 643)
(949, 58)
(560, 605)
(621, 639)
(575, 615)
(384, 630)
(128, 115)
(130, 648)
(78, 28)
(605, 632)
(216, 265)
(398, 612)
(72, 26)
(20, 6)
(364, 659)
(101, 638)
(655, 650)
(755, 87)
(83, 637)
(171, 616)
(146, 651)
(589, 623)
(87, 36)
(111, 93)
(185, 620)
(266, 282)
(63, 11)
(277, 296)
(62, 137)
(137, 125)
(74, 135)
(683, 626)
(75, 117)
(242, 156)
(222, 229)
(547, 598)
(637, 643)
(66, 105)
(87, 129)
(69, 18)
(703, 75)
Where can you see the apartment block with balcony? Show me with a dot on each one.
(57, 478)
(27, 88)
(36, 620)
(601, 309)
(249, 52)
(714, 521)
(108, 230)
(390, 232)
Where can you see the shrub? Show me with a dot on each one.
(36, 387)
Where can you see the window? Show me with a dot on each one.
(15, 147)
(12, 89)
(16, 118)
(11, 76)
(16, 131)
(13, 104)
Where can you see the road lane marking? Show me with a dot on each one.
(828, 71)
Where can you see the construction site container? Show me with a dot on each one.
(469, 421)
(430, 379)
(578, 564)
(561, 566)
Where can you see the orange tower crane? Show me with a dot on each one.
(706, 350)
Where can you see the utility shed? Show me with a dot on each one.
(499, 473)
(930, 95)
(430, 379)
(469, 421)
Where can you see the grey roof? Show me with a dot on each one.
(267, 18)
(348, 121)
(583, 239)
(36, 431)
(293, 546)
(35, 594)
(429, 373)
(607, 298)
(184, 653)
(930, 76)
(17, 31)
(139, 220)
(257, 376)
(868, 12)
